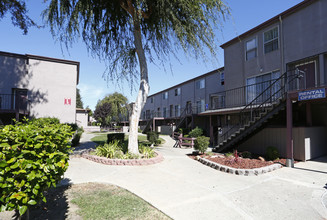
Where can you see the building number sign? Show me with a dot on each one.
(68, 101)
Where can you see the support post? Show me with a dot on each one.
(289, 138)
(153, 124)
(211, 130)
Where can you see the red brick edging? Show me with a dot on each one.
(124, 162)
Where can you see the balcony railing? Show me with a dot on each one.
(13, 103)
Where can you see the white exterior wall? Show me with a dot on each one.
(57, 82)
(48, 81)
(82, 119)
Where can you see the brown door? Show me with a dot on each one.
(308, 71)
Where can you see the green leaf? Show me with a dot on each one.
(14, 166)
(22, 209)
(11, 160)
(35, 191)
(3, 163)
(32, 202)
(3, 208)
(44, 199)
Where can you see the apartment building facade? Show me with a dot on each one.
(267, 71)
(185, 100)
(36, 86)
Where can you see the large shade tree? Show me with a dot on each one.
(112, 108)
(128, 33)
(18, 11)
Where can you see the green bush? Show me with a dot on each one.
(139, 130)
(201, 144)
(152, 136)
(115, 136)
(246, 154)
(33, 157)
(108, 150)
(76, 139)
(272, 153)
(157, 142)
(147, 152)
(74, 126)
(196, 132)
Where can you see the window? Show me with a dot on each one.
(255, 86)
(165, 95)
(158, 112)
(177, 110)
(222, 79)
(271, 40)
(251, 49)
(200, 84)
(177, 91)
(200, 105)
(151, 99)
(147, 114)
(164, 112)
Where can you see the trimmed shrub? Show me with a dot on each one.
(115, 136)
(33, 157)
(74, 126)
(272, 153)
(201, 144)
(196, 132)
(76, 139)
(152, 136)
(157, 142)
(246, 154)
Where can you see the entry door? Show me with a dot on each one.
(308, 70)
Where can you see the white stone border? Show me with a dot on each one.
(243, 172)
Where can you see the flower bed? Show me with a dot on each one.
(123, 162)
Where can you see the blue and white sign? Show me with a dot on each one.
(312, 94)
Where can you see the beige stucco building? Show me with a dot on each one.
(37, 86)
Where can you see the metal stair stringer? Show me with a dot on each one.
(249, 128)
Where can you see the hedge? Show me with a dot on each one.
(115, 136)
(33, 157)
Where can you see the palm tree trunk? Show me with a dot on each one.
(142, 93)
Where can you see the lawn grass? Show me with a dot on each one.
(101, 201)
(102, 138)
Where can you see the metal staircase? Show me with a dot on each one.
(182, 119)
(255, 114)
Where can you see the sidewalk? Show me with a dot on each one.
(186, 189)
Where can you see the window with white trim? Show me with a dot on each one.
(251, 49)
(270, 39)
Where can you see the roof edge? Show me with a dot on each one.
(182, 83)
(272, 20)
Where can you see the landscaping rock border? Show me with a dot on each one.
(123, 162)
(243, 172)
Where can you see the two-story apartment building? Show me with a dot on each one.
(270, 72)
(179, 106)
(37, 86)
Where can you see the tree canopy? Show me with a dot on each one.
(79, 102)
(18, 11)
(166, 26)
(112, 108)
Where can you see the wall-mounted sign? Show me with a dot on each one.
(312, 94)
(67, 101)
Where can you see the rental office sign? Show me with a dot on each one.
(312, 94)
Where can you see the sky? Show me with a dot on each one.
(244, 16)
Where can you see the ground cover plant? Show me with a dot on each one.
(102, 138)
(33, 157)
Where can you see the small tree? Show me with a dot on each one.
(201, 144)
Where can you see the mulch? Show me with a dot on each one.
(239, 163)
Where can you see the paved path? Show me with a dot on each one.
(185, 189)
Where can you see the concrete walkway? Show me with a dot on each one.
(186, 189)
